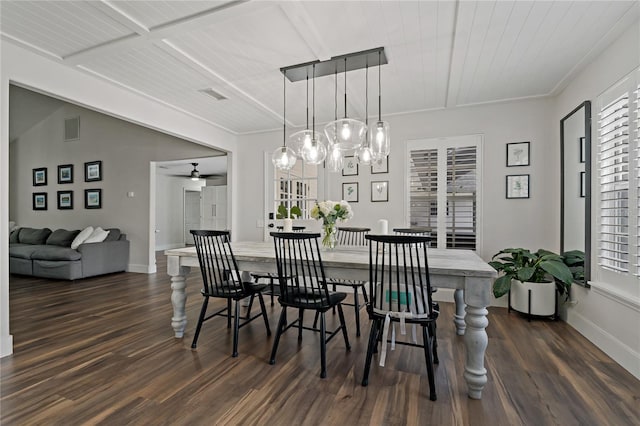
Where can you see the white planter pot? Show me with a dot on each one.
(543, 297)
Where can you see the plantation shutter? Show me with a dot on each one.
(442, 194)
(636, 125)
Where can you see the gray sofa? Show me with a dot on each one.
(42, 253)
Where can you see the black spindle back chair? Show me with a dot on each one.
(303, 286)
(222, 279)
(400, 291)
(348, 236)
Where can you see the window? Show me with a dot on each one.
(296, 187)
(443, 189)
(619, 182)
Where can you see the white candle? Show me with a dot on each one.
(383, 227)
(288, 225)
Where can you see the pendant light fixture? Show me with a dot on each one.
(364, 154)
(195, 174)
(379, 140)
(302, 140)
(334, 155)
(284, 158)
(347, 133)
(316, 152)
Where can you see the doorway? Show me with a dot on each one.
(191, 214)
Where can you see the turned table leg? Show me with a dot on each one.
(475, 340)
(178, 295)
(458, 318)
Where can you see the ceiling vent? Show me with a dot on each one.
(72, 129)
(215, 95)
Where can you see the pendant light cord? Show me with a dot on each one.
(345, 87)
(379, 90)
(314, 102)
(335, 95)
(307, 99)
(284, 108)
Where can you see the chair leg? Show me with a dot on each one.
(236, 328)
(228, 313)
(343, 326)
(249, 306)
(435, 343)
(373, 342)
(334, 308)
(300, 321)
(282, 323)
(364, 294)
(323, 347)
(356, 304)
(203, 312)
(315, 319)
(264, 314)
(271, 289)
(427, 354)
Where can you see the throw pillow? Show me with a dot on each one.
(34, 236)
(62, 237)
(83, 235)
(13, 237)
(97, 236)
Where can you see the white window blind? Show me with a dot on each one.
(613, 133)
(618, 215)
(443, 182)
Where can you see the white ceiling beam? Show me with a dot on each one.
(117, 14)
(183, 25)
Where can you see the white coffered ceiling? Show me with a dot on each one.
(441, 54)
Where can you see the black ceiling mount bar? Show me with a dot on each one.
(357, 60)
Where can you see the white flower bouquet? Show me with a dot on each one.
(330, 212)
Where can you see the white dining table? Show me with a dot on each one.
(461, 270)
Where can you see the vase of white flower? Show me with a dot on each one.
(330, 212)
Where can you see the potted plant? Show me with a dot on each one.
(284, 213)
(532, 278)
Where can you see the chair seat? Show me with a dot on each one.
(233, 293)
(352, 283)
(308, 300)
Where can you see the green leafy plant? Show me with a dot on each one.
(523, 265)
(283, 212)
(574, 260)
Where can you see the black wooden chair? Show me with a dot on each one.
(352, 237)
(303, 287)
(268, 276)
(222, 279)
(400, 291)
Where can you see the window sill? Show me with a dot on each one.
(617, 294)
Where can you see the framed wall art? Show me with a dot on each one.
(93, 171)
(381, 166)
(65, 173)
(350, 166)
(518, 154)
(350, 192)
(39, 200)
(65, 200)
(379, 191)
(40, 176)
(93, 198)
(518, 186)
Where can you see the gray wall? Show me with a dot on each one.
(125, 150)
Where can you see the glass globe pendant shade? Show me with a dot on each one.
(334, 159)
(379, 140)
(301, 141)
(347, 133)
(315, 153)
(364, 154)
(283, 158)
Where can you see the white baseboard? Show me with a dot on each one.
(141, 269)
(6, 345)
(620, 352)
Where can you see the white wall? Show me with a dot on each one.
(607, 314)
(33, 71)
(530, 223)
(170, 209)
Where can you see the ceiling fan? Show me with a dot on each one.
(195, 174)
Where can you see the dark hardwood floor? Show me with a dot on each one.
(102, 351)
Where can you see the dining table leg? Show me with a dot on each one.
(477, 297)
(458, 318)
(178, 275)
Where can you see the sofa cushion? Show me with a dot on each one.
(62, 237)
(52, 252)
(97, 236)
(83, 235)
(22, 251)
(13, 237)
(34, 236)
(114, 234)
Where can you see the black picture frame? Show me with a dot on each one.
(379, 168)
(65, 200)
(350, 192)
(93, 171)
(517, 186)
(349, 166)
(379, 191)
(93, 198)
(40, 176)
(65, 173)
(518, 154)
(583, 184)
(582, 150)
(39, 200)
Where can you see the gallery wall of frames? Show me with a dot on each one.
(92, 172)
